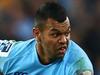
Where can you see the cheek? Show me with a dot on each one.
(49, 44)
(51, 47)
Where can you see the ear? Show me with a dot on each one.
(36, 32)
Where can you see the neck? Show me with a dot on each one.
(43, 56)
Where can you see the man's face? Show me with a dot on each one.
(54, 38)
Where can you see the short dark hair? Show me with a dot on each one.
(50, 10)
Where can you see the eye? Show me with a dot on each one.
(68, 32)
(54, 35)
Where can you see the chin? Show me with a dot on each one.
(60, 56)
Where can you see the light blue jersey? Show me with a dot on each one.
(20, 58)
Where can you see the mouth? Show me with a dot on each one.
(62, 51)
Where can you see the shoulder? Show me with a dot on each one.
(75, 51)
(14, 49)
(78, 58)
(22, 47)
(5, 47)
(9, 46)
(5, 50)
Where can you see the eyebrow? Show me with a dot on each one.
(56, 30)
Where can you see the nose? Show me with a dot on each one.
(63, 39)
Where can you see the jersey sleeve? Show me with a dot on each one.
(80, 62)
(83, 67)
(5, 49)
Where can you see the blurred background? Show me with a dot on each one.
(17, 20)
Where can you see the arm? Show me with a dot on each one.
(84, 67)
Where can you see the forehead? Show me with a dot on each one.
(53, 24)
